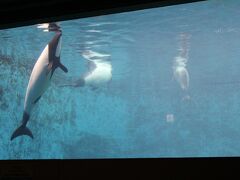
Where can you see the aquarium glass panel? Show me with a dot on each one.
(152, 83)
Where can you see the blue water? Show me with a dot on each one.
(142, 111)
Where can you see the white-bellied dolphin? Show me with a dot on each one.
(39, 80)
(99, 73)
(180, 71)
(181, 75)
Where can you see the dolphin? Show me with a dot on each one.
(47, 27)
(182, 77)
(180, 72)
(99, 72)
(39, 80)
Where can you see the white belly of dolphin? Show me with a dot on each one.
(182, 76)
(39, 81)
(100, 75)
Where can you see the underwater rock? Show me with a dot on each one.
(1, 93)
(90, 146)
(140, 117)
(14, 63)
(3, 105)
(5, 59)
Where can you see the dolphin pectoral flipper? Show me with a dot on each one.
(22, 130)
(62, 67)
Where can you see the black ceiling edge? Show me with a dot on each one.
(28, 12)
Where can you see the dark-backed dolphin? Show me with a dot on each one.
(39, 80)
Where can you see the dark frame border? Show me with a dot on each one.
(157, 168)
(29, 12)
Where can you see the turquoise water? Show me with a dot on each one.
(153, 105)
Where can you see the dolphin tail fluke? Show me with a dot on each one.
(22, 130)
(62, 67)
